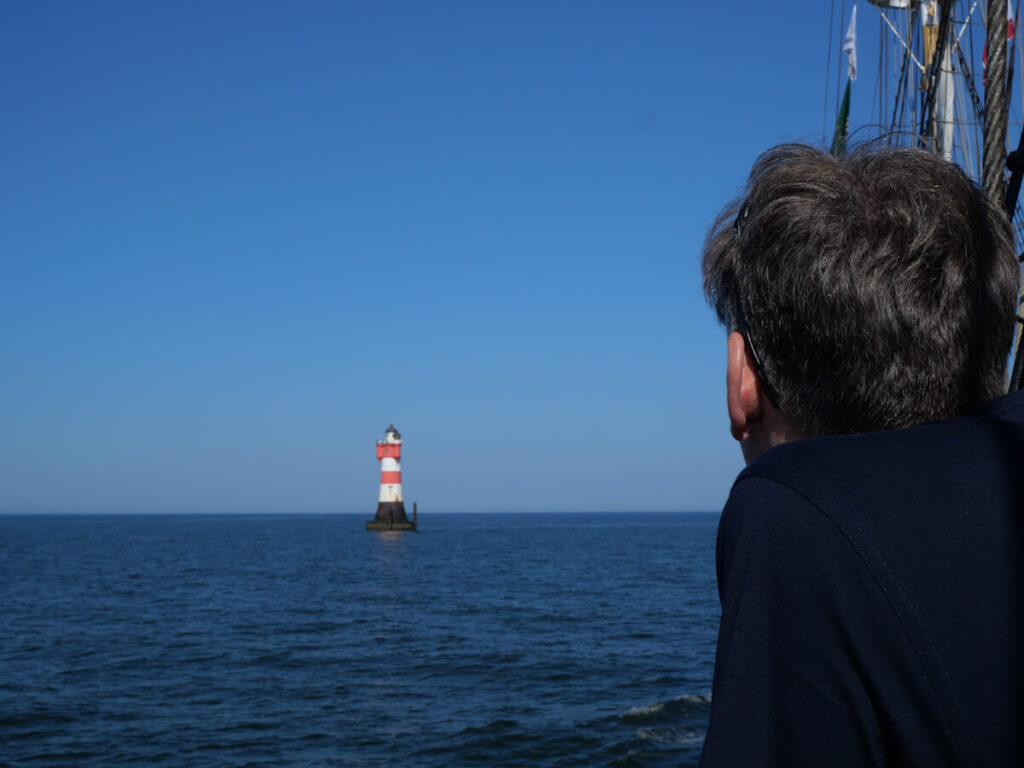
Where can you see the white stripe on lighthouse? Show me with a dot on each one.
(390, 480)
(390, 492)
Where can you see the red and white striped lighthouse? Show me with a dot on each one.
(390, 508)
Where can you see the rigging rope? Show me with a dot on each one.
(994, 150)
(899, 106)
(979, 110)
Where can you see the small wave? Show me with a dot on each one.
(268, 745)
(645, 710)
(684, 737)
(673, 729)
(251, 725)
(490, 728)
(276, 658)
(687, 705)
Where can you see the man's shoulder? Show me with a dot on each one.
(925, 520)
(917, 505)
(900, 466)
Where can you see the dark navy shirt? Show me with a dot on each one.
(871, 600)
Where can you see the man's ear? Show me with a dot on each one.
(744, 393)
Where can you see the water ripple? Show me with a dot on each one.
(305, 641)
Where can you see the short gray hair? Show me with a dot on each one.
(878, 288)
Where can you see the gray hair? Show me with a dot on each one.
(878, 288)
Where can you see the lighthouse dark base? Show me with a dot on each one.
(391, 517)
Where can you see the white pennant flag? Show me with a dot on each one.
(850, 45)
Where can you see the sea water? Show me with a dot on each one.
(490, 639)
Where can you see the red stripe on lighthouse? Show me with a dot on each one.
(394, 478)
(389, 451)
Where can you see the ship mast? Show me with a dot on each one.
(937, 115)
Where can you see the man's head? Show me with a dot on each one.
(870, 291)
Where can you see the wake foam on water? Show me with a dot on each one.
(667, 732)
(687, 705)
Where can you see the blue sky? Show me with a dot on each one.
(240, 239)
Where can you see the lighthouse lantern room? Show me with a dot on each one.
(390, 508)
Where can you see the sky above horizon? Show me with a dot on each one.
(241, 239)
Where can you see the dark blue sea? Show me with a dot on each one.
(518, 640)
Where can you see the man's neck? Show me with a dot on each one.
(773, 429)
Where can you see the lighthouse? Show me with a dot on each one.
(390, 509)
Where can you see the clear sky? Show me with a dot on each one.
(240, 239)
